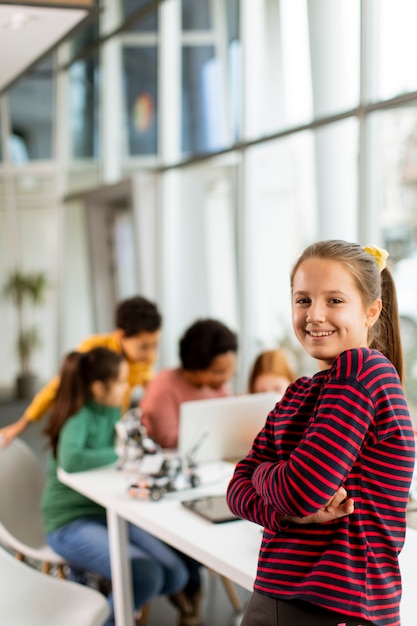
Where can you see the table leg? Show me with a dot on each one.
(232, 593)
(120, 570)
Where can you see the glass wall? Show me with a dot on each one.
(393, 142)
(29, 224)
(198, 243)
(139, 81)
(392, 46)
(262, 126)
(302, 62)
(141, 99)
(147, 12)
(83, 105)
(210, 77)
(30, 106)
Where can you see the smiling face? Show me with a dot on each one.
(328, 312)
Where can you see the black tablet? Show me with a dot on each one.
(212, 508)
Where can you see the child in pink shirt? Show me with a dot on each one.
(208, 355)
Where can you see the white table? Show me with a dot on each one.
(231, 548)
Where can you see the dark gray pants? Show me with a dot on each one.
(265, 611)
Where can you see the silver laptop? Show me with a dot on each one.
(223, 428)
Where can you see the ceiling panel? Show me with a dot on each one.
(27, 32)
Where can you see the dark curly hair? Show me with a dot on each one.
(136, 315)
(203, 341)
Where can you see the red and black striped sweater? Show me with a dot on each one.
(348, 426)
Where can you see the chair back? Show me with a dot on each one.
(21, 486)
(30, 597)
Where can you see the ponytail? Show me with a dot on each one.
(385, 335)
(78, 372)
(71, 395)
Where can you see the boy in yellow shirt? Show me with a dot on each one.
(137, 333)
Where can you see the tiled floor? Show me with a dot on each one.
(216, 608)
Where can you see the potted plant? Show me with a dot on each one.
(26, 290)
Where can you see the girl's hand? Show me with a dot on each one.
(338, 506)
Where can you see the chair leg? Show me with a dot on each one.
(46, 566)
(144, 615)
(232, 593)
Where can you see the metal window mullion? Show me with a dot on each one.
(221, 48)
(112, 130)
(62, 157)
(170, 80)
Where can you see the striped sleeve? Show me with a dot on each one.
(344, 420)
(242, 497)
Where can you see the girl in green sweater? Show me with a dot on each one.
(81, 436)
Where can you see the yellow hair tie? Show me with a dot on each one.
(380, 255)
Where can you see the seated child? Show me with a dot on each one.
(136, 337)
(81, 432)
(207, 353)
(271, 371)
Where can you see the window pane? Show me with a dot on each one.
(202, 114)
(334, 35)
(395, 48)
(84, 108)
(141, 98)
(124, 253)
(393, 179)
(196, 15)
(336, 170)
(302, 62)
(31, 115)
(232, 8)
(234, 69)
(298, 189)
(31, 238)
(199, 248)
(282, 217)
(278, 91)
(84, 39)
(149, 23)
(211, 81)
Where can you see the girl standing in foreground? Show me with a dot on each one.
(329, 475)
(81, 434)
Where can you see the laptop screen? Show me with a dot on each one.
(223, 428)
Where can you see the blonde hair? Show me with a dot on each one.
(372, 284)
(270, 362)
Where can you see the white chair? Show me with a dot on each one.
(29, 597)
(21, 523)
